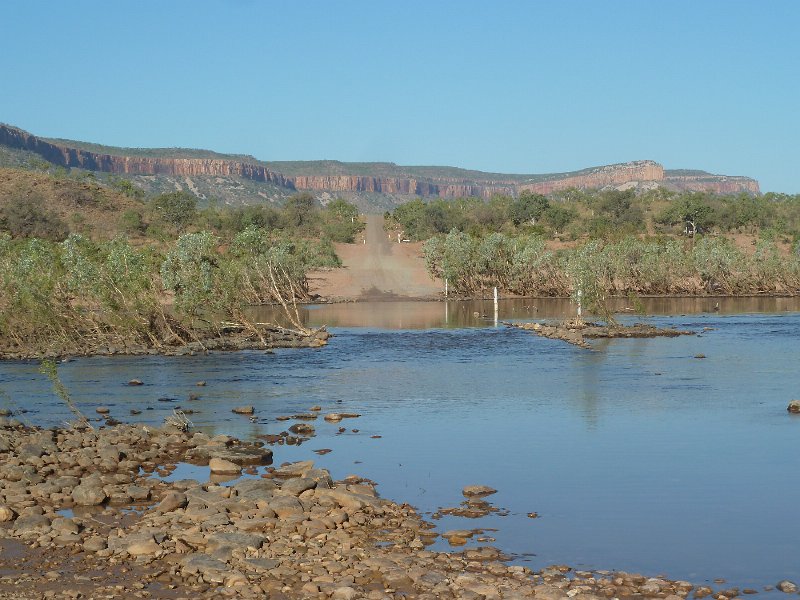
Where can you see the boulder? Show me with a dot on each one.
(88, 494)
(244, 410)
(172, 501)
(224, 467)
(478, 490)
(794, 406)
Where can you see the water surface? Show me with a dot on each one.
(637, 456)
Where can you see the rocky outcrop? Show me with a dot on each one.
(706, 182)
(483, 185)
(136, 165)
(397, 186)
(608, 176)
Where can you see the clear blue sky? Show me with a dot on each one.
(523, 87)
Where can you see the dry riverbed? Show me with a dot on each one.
(85, 515)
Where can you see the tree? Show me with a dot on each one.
(529, 207)
(691, 210)
(178, 209)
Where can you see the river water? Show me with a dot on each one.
(637, 456)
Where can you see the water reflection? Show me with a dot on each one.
(480, 313)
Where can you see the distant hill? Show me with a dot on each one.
(84, 206)
(237, 179)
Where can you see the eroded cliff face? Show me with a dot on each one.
(601, 177)
(609, 176)
(136, 165)
(717, 184)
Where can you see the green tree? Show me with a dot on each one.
(178, 209)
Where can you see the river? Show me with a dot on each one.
(637, 456)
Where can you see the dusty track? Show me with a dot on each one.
(380, 269)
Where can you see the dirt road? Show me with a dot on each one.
(380, 269)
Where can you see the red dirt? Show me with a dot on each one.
(380, 269)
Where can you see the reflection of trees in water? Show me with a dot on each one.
(590, 364)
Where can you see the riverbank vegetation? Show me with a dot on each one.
(523, 264)
(58, 296)
(168, 272)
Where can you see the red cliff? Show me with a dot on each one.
(443, 187)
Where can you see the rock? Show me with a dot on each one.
(315, 408)
(344, 593)
(137, 492)
(32, 523)
(224, 467)
(794, 406)
(135, 382)
(786, 586)
(302, 429)
(87, 494)
(4, 412)
(143, 547)
(298, 485)
(95, 544)
(212, 569)
(336, 417)
(244, 410)
(6, 514)
(200, 384)
(102, 410)
(478, 490)
(172, 501)
(235, 539)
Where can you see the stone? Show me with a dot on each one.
(87, 494)
(344, 593)
(298, 485)
(6, 514)
(235, 539)
(244, 410)
(143, 547)
(794, 406)
(102, 410)
(786, 586)
(28, 523)
(172, 501)
(478, 490)
(224, 467)
(135, 382)
(95, 544)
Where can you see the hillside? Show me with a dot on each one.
(84, 206)
(237, 179)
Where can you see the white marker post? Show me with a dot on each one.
(495, 306)
(445, 287)
(580, 307)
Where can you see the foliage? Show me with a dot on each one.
(521, 264)
(26, 216)
(178, 209)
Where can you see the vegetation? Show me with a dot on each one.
(522, 264)
(575, 215)
(97, 294)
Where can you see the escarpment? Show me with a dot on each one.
(408, 181)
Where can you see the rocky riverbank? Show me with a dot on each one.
(268, 337)
(577, 333)
(87, 514)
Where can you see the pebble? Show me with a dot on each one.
(786, 586)
(244, 410)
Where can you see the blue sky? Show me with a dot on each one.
(521, 87)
